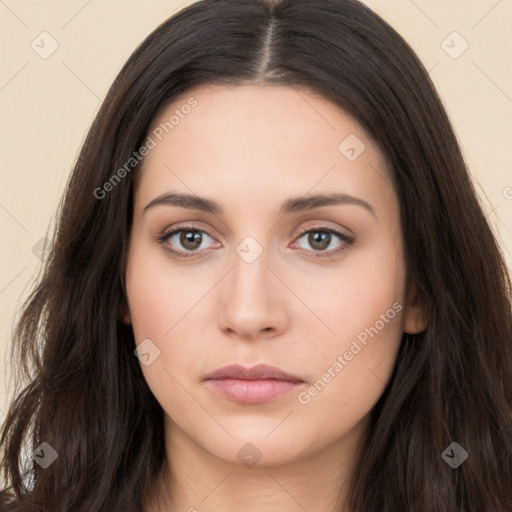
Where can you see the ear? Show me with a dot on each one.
(124, 312)
(416, 315)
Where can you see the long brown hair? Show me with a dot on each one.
(83, 391)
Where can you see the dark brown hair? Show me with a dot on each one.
(84, 392)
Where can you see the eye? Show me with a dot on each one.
(320, 238)
(189, 240)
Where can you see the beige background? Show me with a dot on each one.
(46, 106)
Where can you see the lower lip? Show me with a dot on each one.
(252, 391)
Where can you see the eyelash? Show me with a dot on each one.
(348, 241)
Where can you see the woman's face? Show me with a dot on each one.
(261, 280)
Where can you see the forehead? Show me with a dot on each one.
(261, 143)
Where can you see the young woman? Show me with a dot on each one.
(272, 286)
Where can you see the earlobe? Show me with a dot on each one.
(125, 314)
(415, 316)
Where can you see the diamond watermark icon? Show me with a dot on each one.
(249, 249)
(454, 45)
(351, 147)
(249, 454)
(454, 455)
(44, 45)
(45, 455)
(147, 352)
(38, 249)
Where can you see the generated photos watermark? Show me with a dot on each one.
(304, 397)
(149, 144)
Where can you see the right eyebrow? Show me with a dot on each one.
(187, 201)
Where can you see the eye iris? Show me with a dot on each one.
(191, 239)
(323, 239)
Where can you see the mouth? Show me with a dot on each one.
(256, 385)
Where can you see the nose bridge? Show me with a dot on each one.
(250, 275)
(251, 299)
(251, 281)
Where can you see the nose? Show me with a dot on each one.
(252, 300)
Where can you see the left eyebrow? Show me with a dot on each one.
(316, 201)
(292, 205)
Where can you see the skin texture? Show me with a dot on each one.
(250, 148)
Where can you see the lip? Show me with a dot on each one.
(258, 384)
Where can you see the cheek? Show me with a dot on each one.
(159, 295)
(169, 308)
(149, 301)
(363, 308)
(353, 298)
(352, 372)
(158, 309)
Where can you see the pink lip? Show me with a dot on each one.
(258, 384)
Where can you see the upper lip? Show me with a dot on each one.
(260, 371)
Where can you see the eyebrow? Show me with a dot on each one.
(292, 205)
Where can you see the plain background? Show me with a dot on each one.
(47, 105)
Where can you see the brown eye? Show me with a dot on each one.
(321, 238)
(186, 241)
